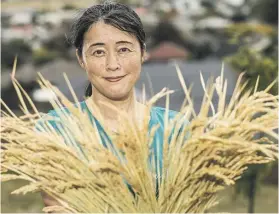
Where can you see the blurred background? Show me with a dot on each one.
(198, 34)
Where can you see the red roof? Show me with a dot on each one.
(166, 51)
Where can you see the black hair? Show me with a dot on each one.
(115, 14)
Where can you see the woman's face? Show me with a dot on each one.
(112, 59)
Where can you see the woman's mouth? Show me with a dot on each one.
(114, 79)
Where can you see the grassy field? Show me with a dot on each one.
(266, 201)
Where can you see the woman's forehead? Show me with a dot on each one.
(105, 33)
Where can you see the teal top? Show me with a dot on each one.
(157, 116)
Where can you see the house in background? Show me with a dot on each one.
(166, 51)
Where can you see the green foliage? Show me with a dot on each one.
(263, 63)
(241, 31)
(256, 64)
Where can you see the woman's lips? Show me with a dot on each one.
(114, 79)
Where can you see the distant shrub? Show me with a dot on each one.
(69, 7)
(43, 55)
(256, 64)
(262, 63)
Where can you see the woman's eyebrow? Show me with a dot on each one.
(97, 44)
(124, 42)
(102, 44)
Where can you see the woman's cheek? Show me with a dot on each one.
(132, 65)
(95, 69)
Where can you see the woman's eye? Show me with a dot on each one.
(124, 50)
(98, 53)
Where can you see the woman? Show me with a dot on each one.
(110, 47)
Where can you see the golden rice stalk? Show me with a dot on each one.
(203, 156)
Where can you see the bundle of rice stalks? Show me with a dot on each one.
(200, 158)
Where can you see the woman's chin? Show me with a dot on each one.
(118, 96)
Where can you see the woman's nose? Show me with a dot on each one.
(112, 63)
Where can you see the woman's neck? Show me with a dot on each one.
(128, 105)
(109, 117)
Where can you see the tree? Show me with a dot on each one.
(15, 47)
(256, 63)
(267, 10)
(58, 44)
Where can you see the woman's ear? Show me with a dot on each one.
(145, 56)
(80, 60)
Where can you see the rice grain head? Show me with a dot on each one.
(202, 157)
